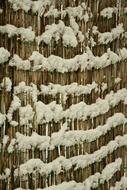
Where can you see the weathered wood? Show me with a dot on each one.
(107, 75)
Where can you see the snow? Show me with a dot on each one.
(74, 25)
(76, 11)
(4, 55)
(85, 61)
(104, 86)
(56, 30)
(99, 178)
(52, 12)
(44, 169)
(92, 181)
(119, 185)
(5, 140)
(81, 110)
(36, 113)
(108, 12)
(123, 53)
(54, 89)
(72, 185)
(10, 148)
(22, 88)
(35, 140)
(117, 80)
(17, 4)
(49, 112)
(26, 114)
(111, 169)
(13, 123)
(80, 161)
(6, 174)
(46, 113)
(6, 84)
(69, 38)
(11, 30)
(26, 33)
(36, 6)
(68, 138)
(107, 37)
(80, 37)
(80, 12)
(73, 88)
(19, 63)
(15, 104)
